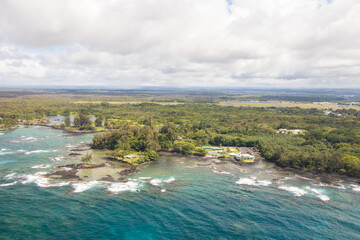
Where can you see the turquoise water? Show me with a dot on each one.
(173, 198)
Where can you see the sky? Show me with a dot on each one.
(187, 43)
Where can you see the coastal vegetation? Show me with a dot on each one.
(135, 132)
(86, 158)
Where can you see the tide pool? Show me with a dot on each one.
(172, 198)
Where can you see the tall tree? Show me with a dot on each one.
(99, 121)
(67, 121)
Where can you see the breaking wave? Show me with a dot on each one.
(253, 182)
(295, 190)
(10, 176)
(4, 151)
(355, 188)
(158, 182)
(322, 197)
(131, 186)
(8, 184)
(41, 166)
(81, 187)
(39, 151)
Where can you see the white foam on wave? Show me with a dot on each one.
(56, 159)
(170, 180)
(40, 180)
(1, 133)
(8, 184)
(252, 181)
(41, 166)
(338, 186)
(81, 187)
(163, 190)
(131, 186)
(37, 178)
(298, 192)
(145, 178)
(23, 138)
(39, 151)
(4, 152)
(221, 172)
(355, 188)
(194, 166)
(32, 177)
(10, 176)
(59, 184)
(322, 197)
(264, 182)
(157, 182)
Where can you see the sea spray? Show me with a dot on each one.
(295, 190)
(39, 151)
(322, 197)
(81, 187)
(252, 181)
(131, 186)
(41, 166)
(8, 184)
(158, 182)
(355, 188)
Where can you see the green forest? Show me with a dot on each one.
(328, 143)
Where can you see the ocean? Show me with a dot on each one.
(175, 197)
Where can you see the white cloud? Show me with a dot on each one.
(278, 43)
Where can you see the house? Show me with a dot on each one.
(131, 156)
(327, 112)
(292, 131)
(282, 131)
(297, 131)
(245, 158)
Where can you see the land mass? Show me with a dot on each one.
(133, 127)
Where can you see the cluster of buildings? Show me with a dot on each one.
(230, 152)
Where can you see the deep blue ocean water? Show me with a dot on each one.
(201, 203)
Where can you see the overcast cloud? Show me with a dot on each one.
(133, 43)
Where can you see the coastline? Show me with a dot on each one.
(67, 130)
(324, 177)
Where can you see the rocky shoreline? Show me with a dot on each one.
(320, 177)
(327, 178)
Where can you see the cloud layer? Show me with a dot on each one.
(132, 43)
